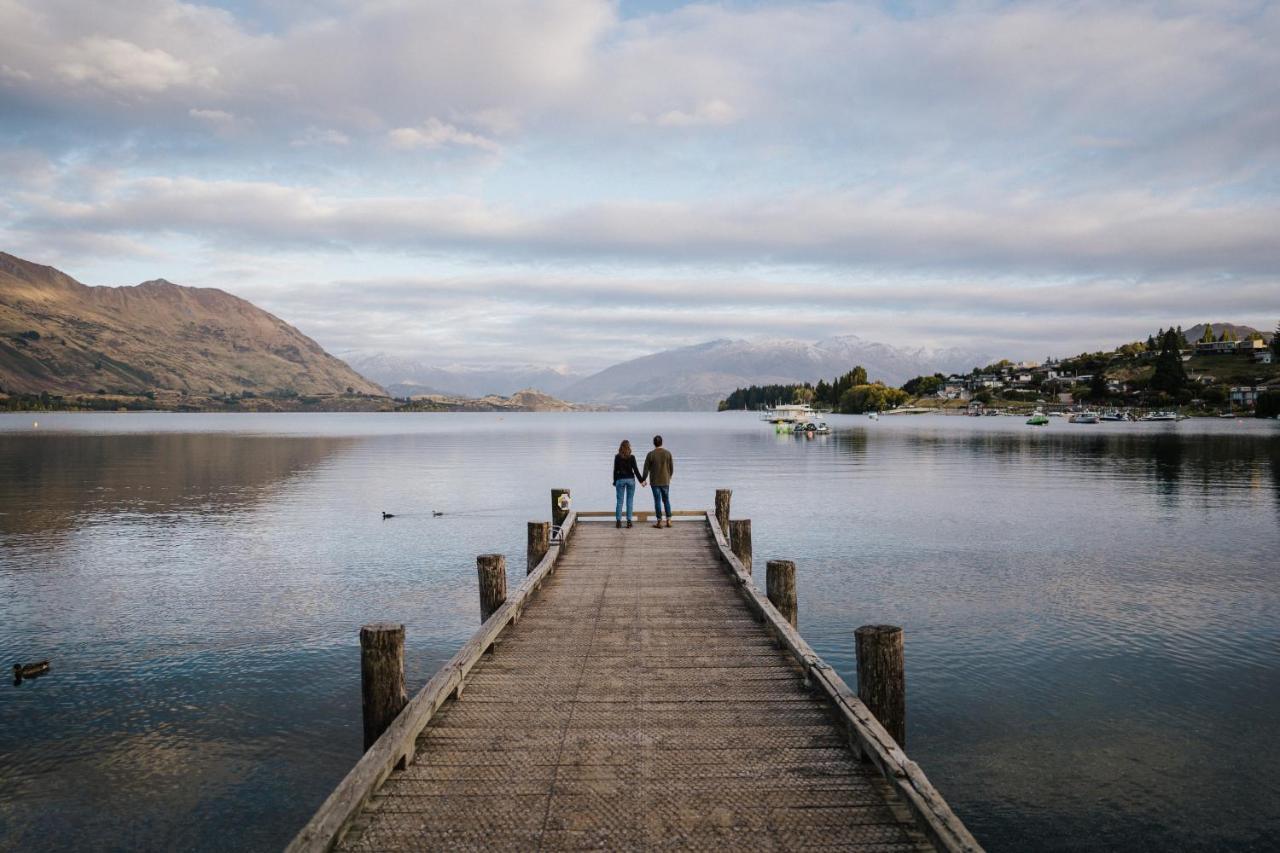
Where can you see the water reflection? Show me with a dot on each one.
(51, 482)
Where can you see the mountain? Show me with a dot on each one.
(409, 377)
(1241, 332)
(709, 371)
(61, 336)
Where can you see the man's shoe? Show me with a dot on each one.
(659, 524)
(617, 524)
(668, 522)
(628, 524)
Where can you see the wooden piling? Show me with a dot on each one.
(740, 541)
(492, 570)
(539, 542)
(559, 513)
(882, 685)
(382, 694)
(780, 584)
(722, 509)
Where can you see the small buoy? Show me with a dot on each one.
(35, 425)
(387, 515)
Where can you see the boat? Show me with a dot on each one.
(1160, 416)
(814, 426)
(1085, 418)
(874, 416)
(1038, 418)
(1114, 416)
(786, 418)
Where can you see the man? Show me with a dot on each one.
(658, 468)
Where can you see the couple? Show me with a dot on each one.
(658, 467)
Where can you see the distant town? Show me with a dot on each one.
(1199, 372)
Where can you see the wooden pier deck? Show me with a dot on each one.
(639, 696)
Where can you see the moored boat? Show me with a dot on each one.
(1038, 418)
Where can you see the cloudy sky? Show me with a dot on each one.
(579, 181)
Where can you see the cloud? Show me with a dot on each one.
(317, 136)
(713, 112)
(434, 133)
(214, 117)
(123, 67)
(1132, 232)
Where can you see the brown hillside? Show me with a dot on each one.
(61, 336)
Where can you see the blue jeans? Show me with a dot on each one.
(661, 497)
(625, 486)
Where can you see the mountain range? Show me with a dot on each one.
(61, 336)
(411, 377)
(692, 378)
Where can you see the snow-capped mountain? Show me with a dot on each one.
(717, 367)
(405, 377)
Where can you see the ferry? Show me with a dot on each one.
(790, 414)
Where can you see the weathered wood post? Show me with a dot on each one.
(882, 684)
(492, 569)
(722, 509)
(539, 542)
(780, 584)
(740, 541)
(559, 513)
(382, 695)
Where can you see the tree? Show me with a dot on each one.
(924, 386)
(1098, 386)
(1207, 337)
(1275, 342)
(1170, 376)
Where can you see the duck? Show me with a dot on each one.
(435, 513)
(30, 670)
(387, 515)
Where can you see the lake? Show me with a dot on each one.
(1092, 612)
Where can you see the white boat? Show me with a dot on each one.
(1085, 418)
(874, 416)
(1114, 416)
(814, 426)
(1160, 416)
(789, 414)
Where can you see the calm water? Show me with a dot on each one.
(1092, 612)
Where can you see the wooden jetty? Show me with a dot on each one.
(635, 692)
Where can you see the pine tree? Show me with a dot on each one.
(1207, 337)
(1170, 376)
(1275, 342)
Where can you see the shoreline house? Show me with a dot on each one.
(1247, 395)
(1249, 346)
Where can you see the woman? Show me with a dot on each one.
(625, 474)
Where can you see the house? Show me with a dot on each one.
(1246, 395)
(1215, 347)
(1247, 347)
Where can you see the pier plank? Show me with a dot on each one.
(638, 703)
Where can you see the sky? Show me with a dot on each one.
(575, 182)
